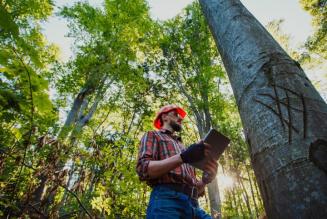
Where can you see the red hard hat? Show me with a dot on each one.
(166, 109)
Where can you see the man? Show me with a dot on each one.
(163, 162)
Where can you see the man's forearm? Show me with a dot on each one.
(157, 168)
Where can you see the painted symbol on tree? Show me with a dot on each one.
(285, 110)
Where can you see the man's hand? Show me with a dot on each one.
(197, 152)
(210, 171)
(194, 153)
(210, 167)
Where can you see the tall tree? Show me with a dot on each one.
(107, 45)
(283, 115)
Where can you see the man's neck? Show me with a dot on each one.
(167, 127)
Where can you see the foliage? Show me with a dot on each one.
(82, 163)
(318, 41)
(26, 110)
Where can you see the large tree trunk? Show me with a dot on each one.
(284, 117)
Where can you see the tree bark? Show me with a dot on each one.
(283, 115)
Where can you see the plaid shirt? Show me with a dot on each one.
(159, 145)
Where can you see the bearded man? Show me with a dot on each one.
(164, 163)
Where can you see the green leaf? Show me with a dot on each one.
(7, 24)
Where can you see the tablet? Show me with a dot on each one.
(219, 143)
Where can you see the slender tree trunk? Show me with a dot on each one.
(245, 195)
(77, 109)
(252, 193)
(38, 194)
(214, 199)
(239, 202)
(234, 202)
(258, 194)
(213, 189)
(284, 117)
(70, 177)
(80, 114)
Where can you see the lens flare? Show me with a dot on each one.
(225, 182)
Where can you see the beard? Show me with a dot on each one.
(175, 126)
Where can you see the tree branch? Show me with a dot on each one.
(190, 100)
(31, 119)
(68, 190)
(79, 201)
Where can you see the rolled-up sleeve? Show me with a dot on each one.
(148, 150)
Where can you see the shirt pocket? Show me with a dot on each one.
(167, 149)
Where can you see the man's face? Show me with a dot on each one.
(174, 120)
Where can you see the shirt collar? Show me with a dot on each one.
(166, 131)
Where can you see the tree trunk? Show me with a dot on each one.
(80, 114)
(214, 199)
(240, 202)
(245, 195)
(79, 103)
(213, 189)
(39, 192)
(252, 192)
(283, 115)
(258, 194)
(234, 202)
